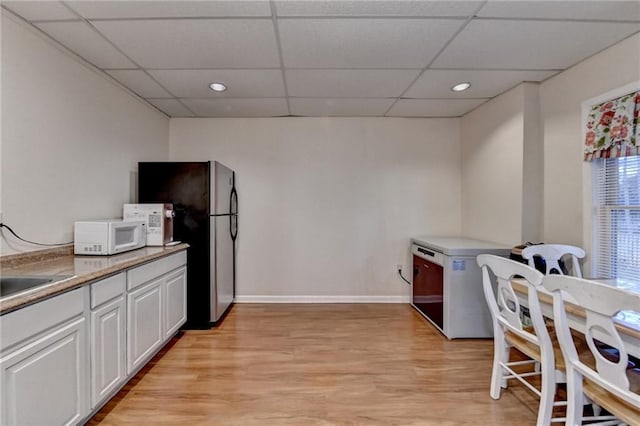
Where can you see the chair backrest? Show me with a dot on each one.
(504, 304)
(552, 254)
(601, 303)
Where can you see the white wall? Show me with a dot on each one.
(523, 149)
(492, 169)
(565, 174)
(533, 166)
(328, 205)
(71, 139)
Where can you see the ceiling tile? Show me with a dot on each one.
(599, 10)
(376, 8)
(171, 107)
(505, 44)
(240, 83)
(140, 83)
(40, 10)
(314, 107)
(433, 107)
(262, 107)
(372, 43)
(170, 9)
(349, 83)
(484, 84)
(83, 40)
(195, 43)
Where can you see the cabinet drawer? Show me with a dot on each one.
(107, 289)
(32, 320)
(140, 275)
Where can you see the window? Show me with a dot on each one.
(617, 225)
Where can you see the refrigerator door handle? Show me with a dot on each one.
(233, 230)
(233, 217)
(233, 201)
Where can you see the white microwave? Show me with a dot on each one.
(108, 236)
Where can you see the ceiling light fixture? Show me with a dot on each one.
(461, 86)
(217, 87)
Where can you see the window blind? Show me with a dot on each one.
(617, 235)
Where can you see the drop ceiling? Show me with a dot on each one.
(378, 58)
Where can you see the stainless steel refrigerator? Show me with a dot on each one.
(205, 202)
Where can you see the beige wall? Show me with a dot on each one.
(523, 149)
(71, 140)
(492, 169)
(565, 174)
(328, 205)
(533, 166)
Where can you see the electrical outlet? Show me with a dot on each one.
(399, 268)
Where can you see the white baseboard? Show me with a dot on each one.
(323, 299)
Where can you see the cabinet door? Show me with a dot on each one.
(428, 289)
(175, 301)
(108, 368)
(44, 382)
(144, 323)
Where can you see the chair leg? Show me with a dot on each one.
(547, 388)
(500, 354)
(574, 398)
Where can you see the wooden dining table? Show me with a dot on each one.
(627, 322)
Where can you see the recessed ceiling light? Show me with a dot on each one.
(461, 86)
(217, 87)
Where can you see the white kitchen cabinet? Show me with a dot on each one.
(44, 362)
(156, 307)
(175, 300)
(144, 323)
(62, 358)
(108, 357)
(149, 271)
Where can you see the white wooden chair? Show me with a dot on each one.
(610, 384)
(509, 331)
(552, 254)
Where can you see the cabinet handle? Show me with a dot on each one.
(427, 252)
(426, 266)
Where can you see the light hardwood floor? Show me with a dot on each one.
(307, 364)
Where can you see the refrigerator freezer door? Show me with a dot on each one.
(222, 184)
(222, 259)
(185, 185)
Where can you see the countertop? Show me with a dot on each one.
(461, 246)
(81, 269)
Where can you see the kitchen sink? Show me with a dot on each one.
(18, 283)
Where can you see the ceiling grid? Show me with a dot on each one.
(436, 57)
(276, 29)
(396, 58)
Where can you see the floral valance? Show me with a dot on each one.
(613, 129)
